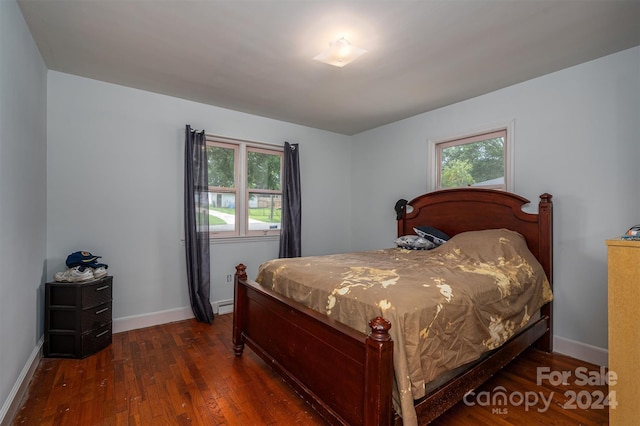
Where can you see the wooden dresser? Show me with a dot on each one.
(624, 329)
(77, 320)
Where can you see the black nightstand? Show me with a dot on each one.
(77, 321)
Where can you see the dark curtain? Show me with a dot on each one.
(196, 224)
(290, 238)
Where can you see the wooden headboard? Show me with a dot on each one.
(472, 209)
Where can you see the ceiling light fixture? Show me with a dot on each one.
(340, 53)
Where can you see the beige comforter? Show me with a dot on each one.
(447, 306)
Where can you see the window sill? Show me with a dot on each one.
(246, 239)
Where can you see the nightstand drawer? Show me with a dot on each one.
(92, 318)
(95, 317)
(96, 340)
(68, 345)
(97, 293)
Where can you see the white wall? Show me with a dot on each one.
(114, 188)
(576, 137)
(23, 171)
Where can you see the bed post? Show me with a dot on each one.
(239, 300)
(378, 374)
(545, 217)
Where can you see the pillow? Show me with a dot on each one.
(490, 244)
(414, 242)
(432, 234)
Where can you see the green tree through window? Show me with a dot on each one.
(473, 163)
(221, 166)
(263, 171)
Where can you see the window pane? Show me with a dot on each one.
(202, 221)
(222, 211)
(263, 170)
(265, 212)
(221, 166)
(473, 164)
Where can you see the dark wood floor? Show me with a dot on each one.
(185, 373)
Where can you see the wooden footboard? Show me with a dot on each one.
(345, 375)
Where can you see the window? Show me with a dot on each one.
(245, 193)
(480, 160)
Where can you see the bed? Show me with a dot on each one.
(346, 374)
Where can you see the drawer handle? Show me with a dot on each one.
(104, 287)
(101, 311)
(102, 334)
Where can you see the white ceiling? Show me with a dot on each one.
(256, 56)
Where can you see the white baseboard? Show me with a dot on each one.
(12, 404)
(582, 351)
(154, 318)
(162, 317)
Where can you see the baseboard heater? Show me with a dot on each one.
(225, 306)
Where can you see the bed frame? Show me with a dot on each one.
(346, 375)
